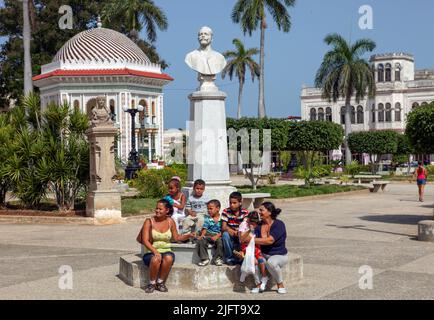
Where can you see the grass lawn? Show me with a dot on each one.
(290, 191)
(138, 206)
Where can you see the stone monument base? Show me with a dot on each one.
(104, 207)
(194, 278)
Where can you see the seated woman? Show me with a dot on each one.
(270, 234)
(156, 236)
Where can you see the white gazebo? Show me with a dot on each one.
(102, 61)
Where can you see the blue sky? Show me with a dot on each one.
(291, 58)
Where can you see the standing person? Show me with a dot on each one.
(195, 208)
(177, 199)
(270, 234)
(156, 236)
(211, 234)
(421, 175)
(232, 218)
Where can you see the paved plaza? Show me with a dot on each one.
(335, 236)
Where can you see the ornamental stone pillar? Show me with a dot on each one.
(103, 202)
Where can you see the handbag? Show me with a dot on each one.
(139, 238)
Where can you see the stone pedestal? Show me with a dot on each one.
(103, 201)
(190, 277)
(207, 145)
(426, 230)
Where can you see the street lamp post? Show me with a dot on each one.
(133, 158)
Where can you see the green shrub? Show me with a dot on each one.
(430, 169)
(152, 183)
(353, 168)
(323, 170)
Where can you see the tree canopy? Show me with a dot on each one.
(314, 136)
(420, 129)
(374, 142)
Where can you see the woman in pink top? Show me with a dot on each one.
(421, 174)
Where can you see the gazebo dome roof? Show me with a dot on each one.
(101, 45)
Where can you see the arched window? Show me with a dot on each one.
(381, 112)
(397, 72)
(154, 113)
(321, 114)
(388, 112)
(145, 112)
(424, 103)
(112, 110)
(373, 112)
(415, 105)
(353, 115)
(380, 73)
(76, 105)
(397, 111)
(312, 114)
(388, 72)
(329, 114)
(342, 115)
(360, 114)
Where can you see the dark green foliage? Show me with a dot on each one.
(314, 136)
(48, 150)
(374, 142)
(420, 129)
(153, 183)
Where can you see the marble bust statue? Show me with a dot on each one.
(100, 113)
(205, 60)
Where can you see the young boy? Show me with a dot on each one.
(250, 224)
(232, 218)
(195, 208)
(211, 234)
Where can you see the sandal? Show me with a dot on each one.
(162, 287)
(150, 288)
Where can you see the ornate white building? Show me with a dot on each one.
(399, 89)
(102, 61)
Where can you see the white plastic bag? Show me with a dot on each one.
(248, 266)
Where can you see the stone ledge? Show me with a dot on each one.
(194, 278)
(319, 196)
(10, 219)
(426, 230)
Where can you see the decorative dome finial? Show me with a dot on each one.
(99, 23)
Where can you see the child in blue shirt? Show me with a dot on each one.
(211, 234)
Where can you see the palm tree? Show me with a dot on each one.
(250, 14)
(134, 14)
(343, 74)
(28, 85)
(238, 62)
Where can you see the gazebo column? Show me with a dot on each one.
(149, 146)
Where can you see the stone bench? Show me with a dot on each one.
(194, 278)
(377, 185)
(251, 201)
(426, 230)
(367, 178)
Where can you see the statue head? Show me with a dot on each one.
(100, 102)
(205, 36)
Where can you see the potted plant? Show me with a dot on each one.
(154, 159)
(160, 161)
